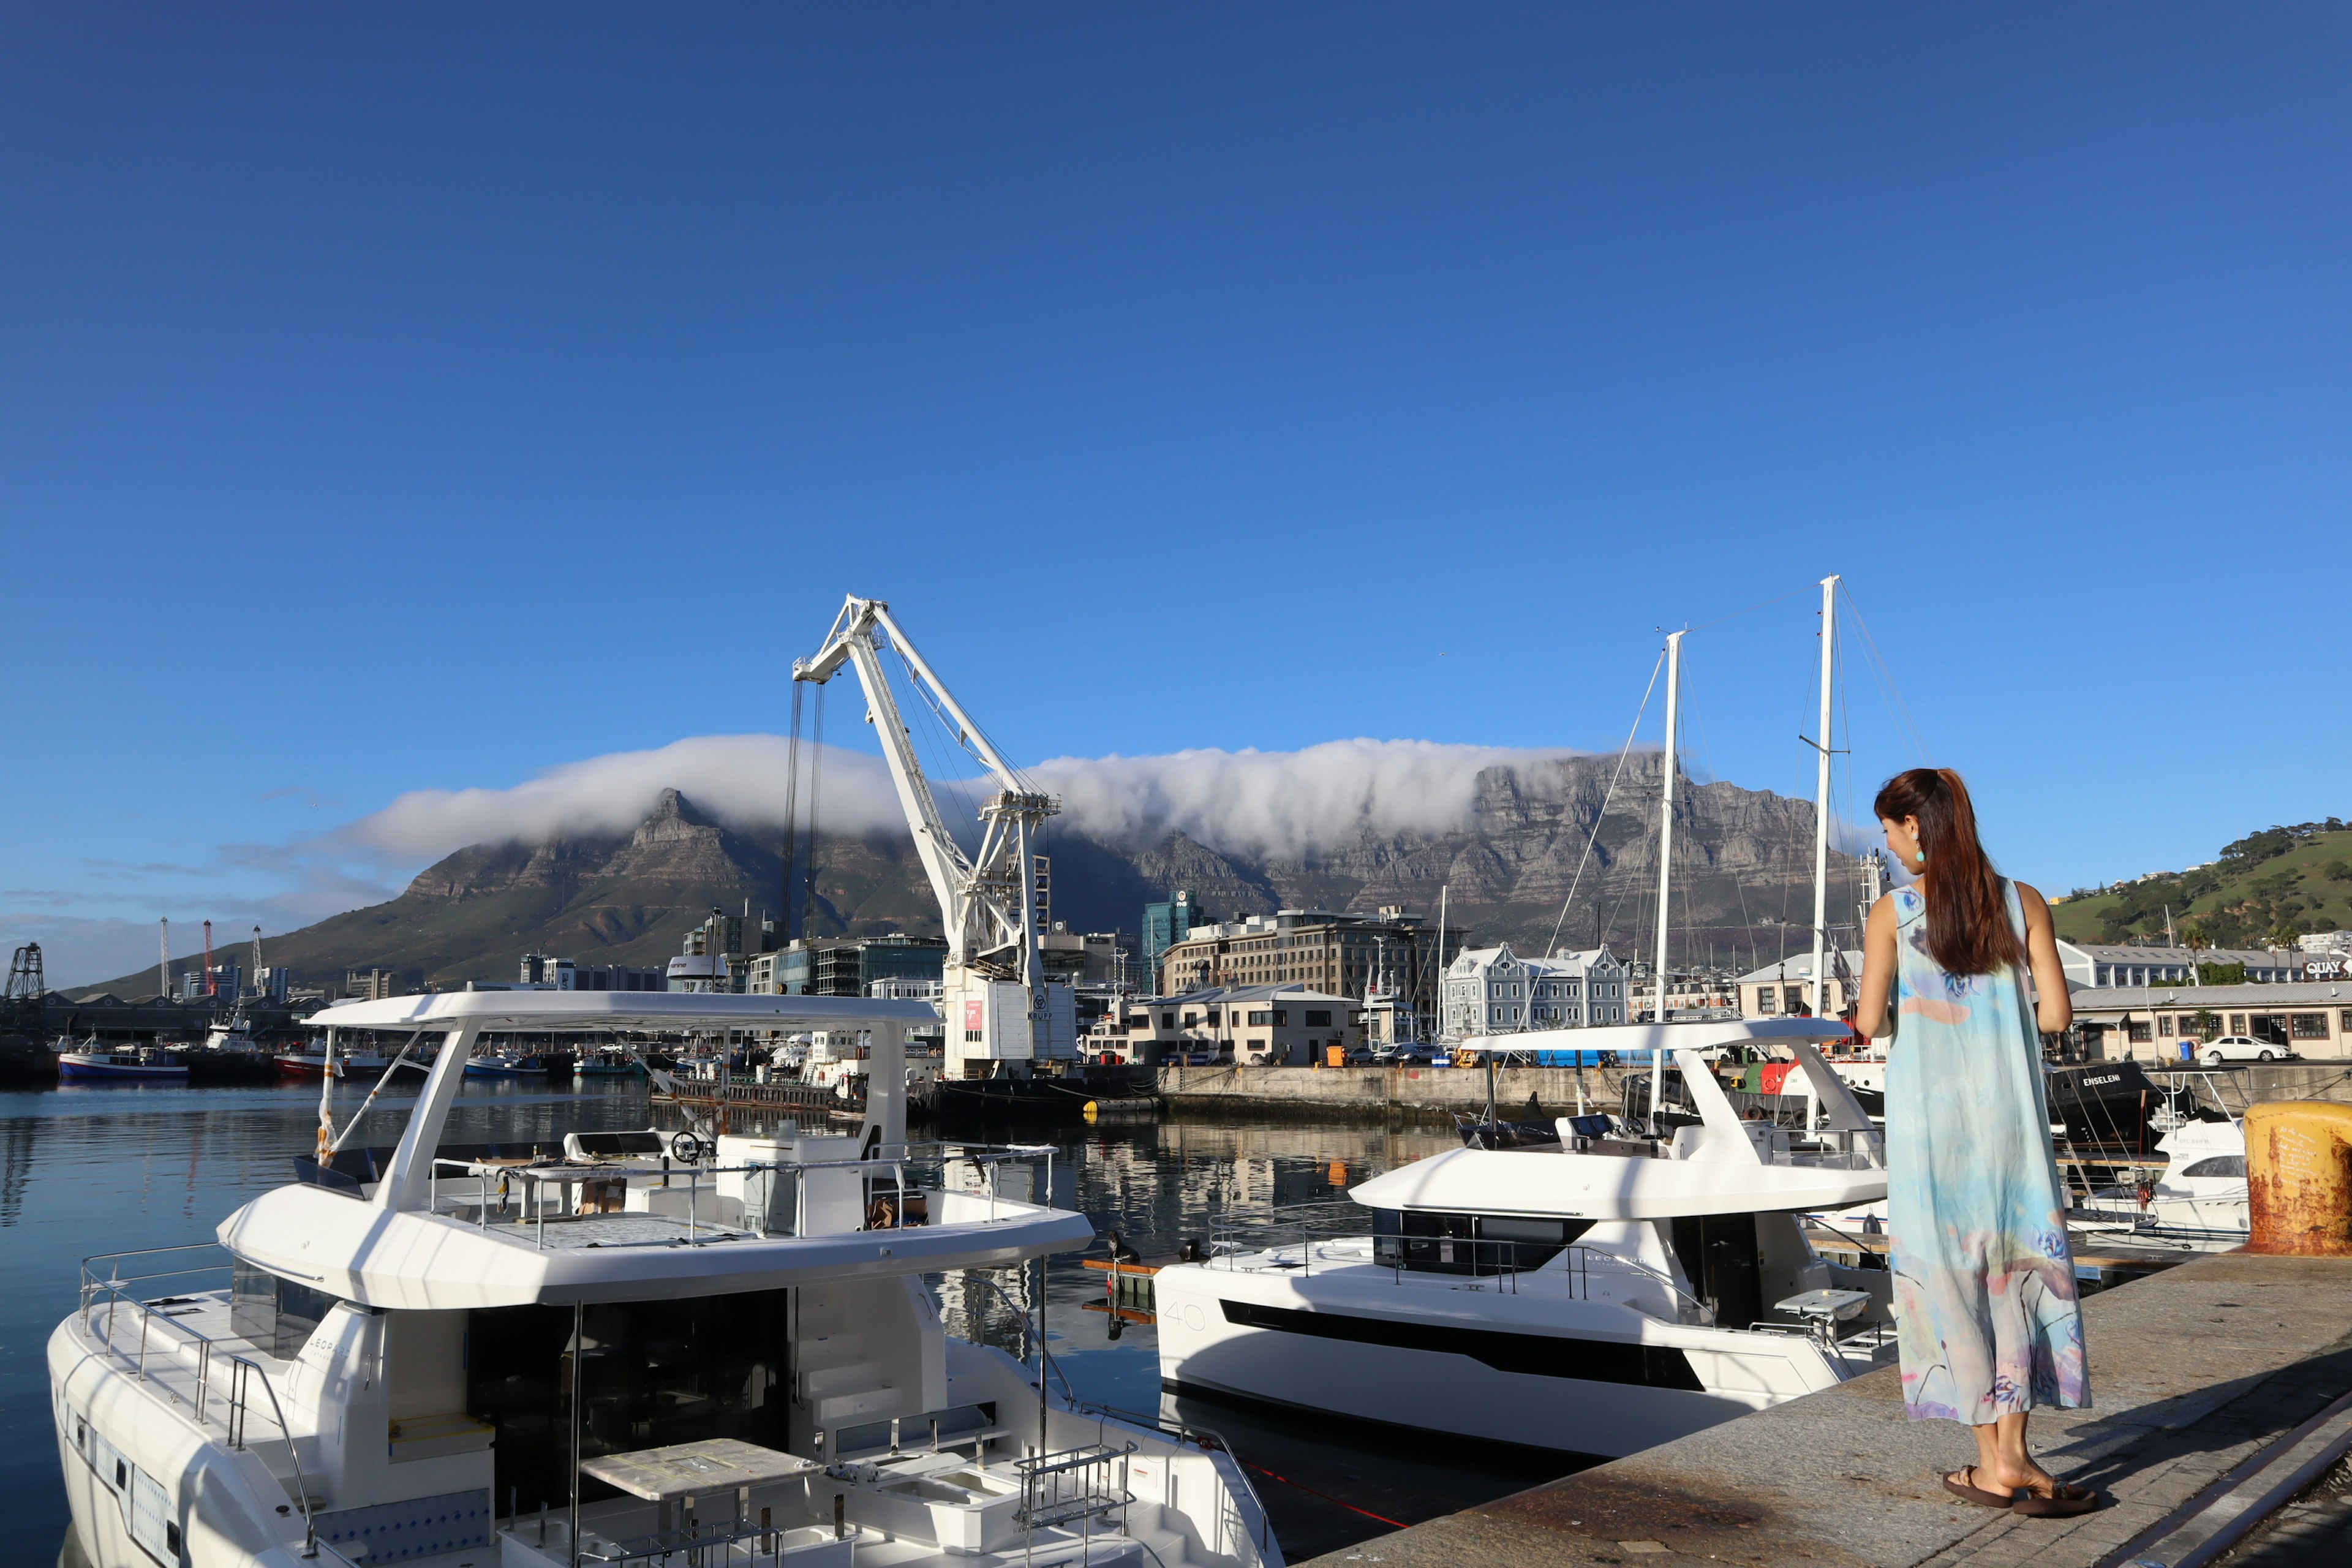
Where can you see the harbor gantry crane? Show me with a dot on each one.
(1001, 1015)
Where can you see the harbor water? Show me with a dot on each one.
(111, 1168)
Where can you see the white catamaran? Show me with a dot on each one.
(634, 1349)
(1607, 1284)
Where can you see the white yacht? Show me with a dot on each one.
(634, 1349)
(1599, 1296)
(2198, 1201)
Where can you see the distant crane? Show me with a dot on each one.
(25, 981)
(1001, 1015)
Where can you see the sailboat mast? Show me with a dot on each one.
(1821, 799)
(1666, 811)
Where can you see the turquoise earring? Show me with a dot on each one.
(1922, 856)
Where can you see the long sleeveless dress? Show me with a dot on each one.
(1986, 1311)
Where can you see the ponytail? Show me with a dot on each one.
(1967, 920)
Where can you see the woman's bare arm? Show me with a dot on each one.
(2052, 1004)
(1871, 1017)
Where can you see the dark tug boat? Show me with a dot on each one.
(2106, 1106)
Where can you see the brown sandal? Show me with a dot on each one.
(1968, 1492)
(2064, 1502)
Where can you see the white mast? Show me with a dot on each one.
(1665, 859)
(1442, 888)
(1666, 811)
(163, 970)
(1821, 797)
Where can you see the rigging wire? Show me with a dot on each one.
(1751, 609)
(1886, 675)
(1607, 796)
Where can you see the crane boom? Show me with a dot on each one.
(988, 905)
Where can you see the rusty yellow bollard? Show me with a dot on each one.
(2299, 1178)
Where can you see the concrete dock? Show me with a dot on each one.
(1376, 1093)
(2193, 1371)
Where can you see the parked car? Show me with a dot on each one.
(2241, 1048)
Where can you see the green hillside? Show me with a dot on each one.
(2265, 889)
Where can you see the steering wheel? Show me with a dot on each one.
(686, 1148)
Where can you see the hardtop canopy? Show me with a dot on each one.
(600, 1010)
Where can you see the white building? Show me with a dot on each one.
(1493, 991)
(1783, 989)
(2100, 967)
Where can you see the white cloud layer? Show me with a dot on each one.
(1276, 803)
(1282, 804)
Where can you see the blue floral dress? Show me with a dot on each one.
(1986, 1311)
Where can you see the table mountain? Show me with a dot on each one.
(1743, 861)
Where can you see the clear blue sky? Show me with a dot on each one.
(422, 396)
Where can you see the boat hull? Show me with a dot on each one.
(315, 1066)
(1502, 1373)
(72, 1071)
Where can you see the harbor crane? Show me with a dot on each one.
(1001, 1015)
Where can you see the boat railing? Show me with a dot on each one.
(1277, 1228)
(165, 1337)
(1833, 1149)
(893, 1194)
(1300, 1235)
(1084, 1482)
(1201, 1438)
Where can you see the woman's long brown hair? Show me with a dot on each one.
(1967, 920)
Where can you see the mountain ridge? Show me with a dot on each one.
(1743, 865)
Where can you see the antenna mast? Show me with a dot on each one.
(209, 983)
(163, 969)
(253, 981)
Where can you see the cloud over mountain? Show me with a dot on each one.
(1258, 803)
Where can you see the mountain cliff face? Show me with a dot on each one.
(1743, 862)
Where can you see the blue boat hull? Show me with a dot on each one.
(85, 1072)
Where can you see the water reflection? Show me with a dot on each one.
(110, 1168)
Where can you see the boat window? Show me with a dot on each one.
(610, 1144)
(2217, 1165)
(652, 1374)
(275, 1316)
(1469, 1243)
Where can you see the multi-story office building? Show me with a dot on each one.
(1339, 952)
(1249, 1025)
(1165, 925)
(844, 966)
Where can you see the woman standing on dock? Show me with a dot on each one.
(1986, 1316)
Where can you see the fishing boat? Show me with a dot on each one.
(322, 1058)
(625, 1349)
(608, 1062)
(507, 1064)
(91, 1062)
(1612, 1289)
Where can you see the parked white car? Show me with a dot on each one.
(2241, 1048)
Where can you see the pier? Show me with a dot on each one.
(2204, 1377)
(1372, 1093)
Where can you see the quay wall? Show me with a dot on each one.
(1435, 1094)
(1377, 1093)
